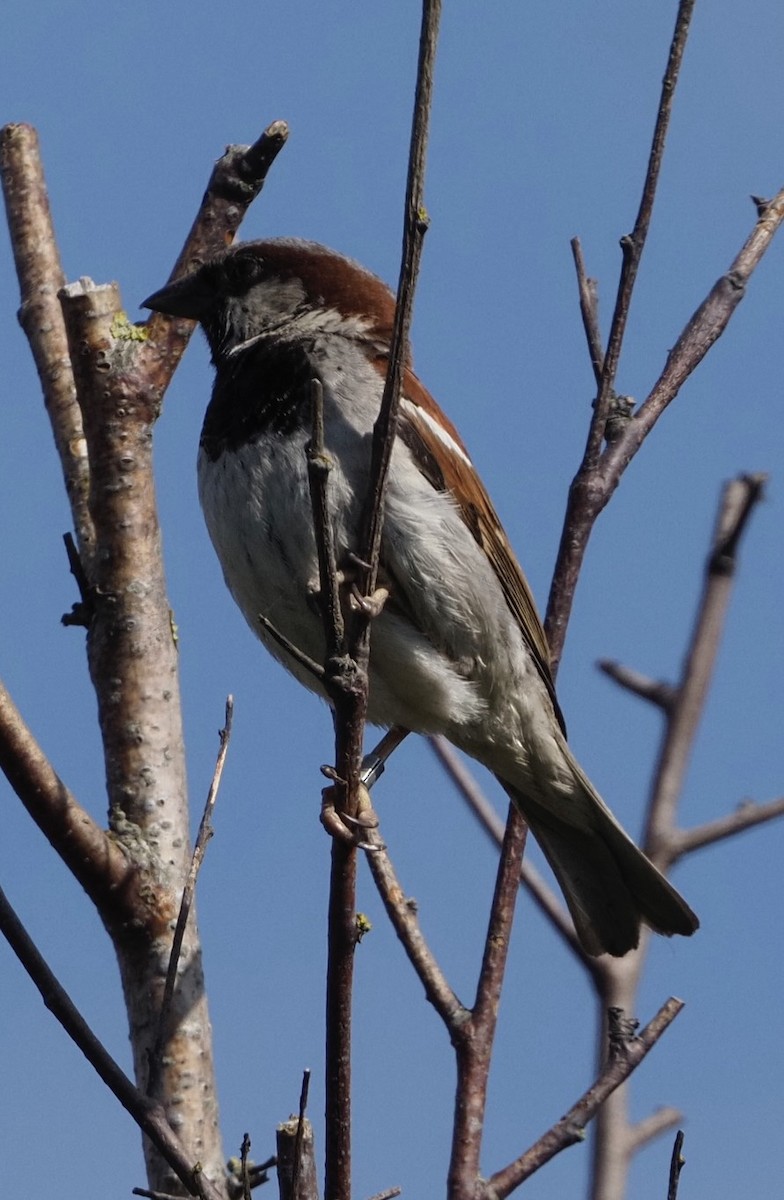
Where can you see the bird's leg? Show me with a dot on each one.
(336, 823)
(374, 762)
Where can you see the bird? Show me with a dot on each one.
(458, 649)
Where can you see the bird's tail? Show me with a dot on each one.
(609, 885)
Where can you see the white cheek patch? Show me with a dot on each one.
(444, 437)
(329, 320)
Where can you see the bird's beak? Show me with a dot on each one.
(185, 297)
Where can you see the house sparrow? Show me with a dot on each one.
(458, 648)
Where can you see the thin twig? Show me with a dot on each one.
(677, 1163)
(746, 816)
(474, 1041)
(319, 467)
(589, 310)
(148, 1115)
(704, 327)
(303, 1107)
(349, 689)
(387, 1194)
(634, 243)
(656, 691)
(303, 659)
(120, 893)
(584, 504)
(199, 850)
(645, 1131)
(244, 1173)
(414, 228)
(570, 1129)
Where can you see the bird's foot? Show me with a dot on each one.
(371, 605)
(345, 826)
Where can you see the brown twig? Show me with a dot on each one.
(148, 1115)
(473, 1041)
(348, 689)
(656, 691)
(303, 1107)
(746, 816)
(199, 850)
(589, 311)
(633, 244)
(237, 179)
(347, 675)
(591, 491)
(677, 1163)
(569, 1129)
(244, 1171)
(121, 895)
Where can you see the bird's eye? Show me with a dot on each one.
(242, 271)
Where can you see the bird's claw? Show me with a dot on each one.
(371, 605)
(346, 827)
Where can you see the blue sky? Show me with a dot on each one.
(541, 128)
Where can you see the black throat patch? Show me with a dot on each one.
(261, 390)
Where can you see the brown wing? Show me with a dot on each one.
(419, 422)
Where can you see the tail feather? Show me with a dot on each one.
(610, 887)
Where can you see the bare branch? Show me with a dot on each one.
(677, 1163)
(473, 1041)
(569, 1129)
(304, 660)
(348, 685)
(414, 228)
(746, 816)
(704, 328)
(589, 310)
(299, 1137)
(651, 1127)
(199, 850)
(40, 276)
(739, 497)
(122, 897)
(149, 1116)
(236, 181)
(592, 488)
(633, 244)
(656, 691)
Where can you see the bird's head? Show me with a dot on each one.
(282, 287)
